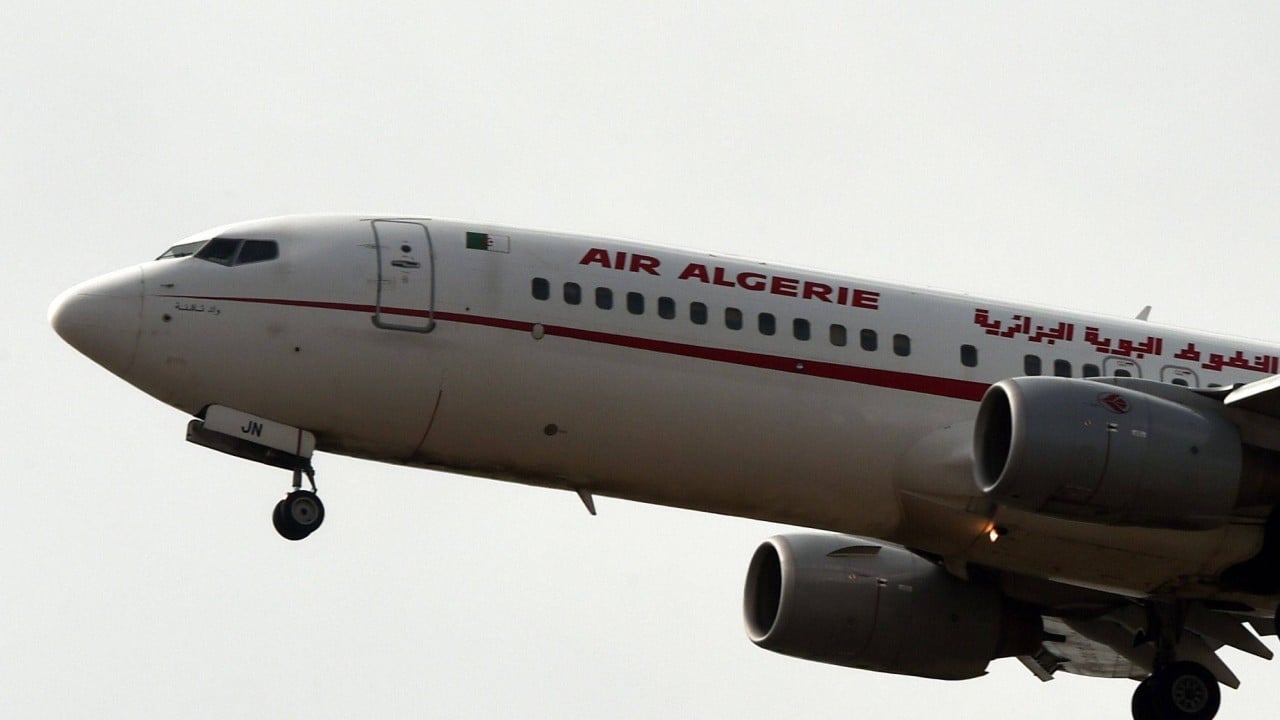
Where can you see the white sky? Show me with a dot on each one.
(1070, 154)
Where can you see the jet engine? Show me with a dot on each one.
(865, 604)
(1139, 453)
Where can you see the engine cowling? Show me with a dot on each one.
(1140, 454)
(862, 603)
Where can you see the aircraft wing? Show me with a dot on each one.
(1262, 397)
(1254, 408)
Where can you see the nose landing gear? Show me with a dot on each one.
(300, 513)
(259, 439)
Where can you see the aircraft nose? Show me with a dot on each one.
(102, 318)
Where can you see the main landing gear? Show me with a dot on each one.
(300, 512)
(1178, 689)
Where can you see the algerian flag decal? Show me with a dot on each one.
(485, 241)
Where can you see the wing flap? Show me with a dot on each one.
(1113, 645)
(1226, 630)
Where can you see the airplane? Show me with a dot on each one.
(979, 479)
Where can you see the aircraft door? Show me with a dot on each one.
(406, 276)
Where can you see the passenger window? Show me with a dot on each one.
(219, 250)
(1180, 381)
(666, 308)
(733, 318)
(800, 328)
(901, 345)
(635, 303)
(541, 289)
(1062, 368)
(968, 356)
(604, 298)
(1121, 372)
(869, 341)
(768, 325)
(1031, 365)
(839, 336)
(257, 251)
(1090, 371)
(698, 313)
(572, 293)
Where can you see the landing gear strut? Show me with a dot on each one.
(1178, 689)
(300, 512)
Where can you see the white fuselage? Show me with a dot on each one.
(854, 414)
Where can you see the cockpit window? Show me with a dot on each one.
(219, 250)
(182, 250)
(257, 251)
(228, 251)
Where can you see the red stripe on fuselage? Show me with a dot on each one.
(927, 384)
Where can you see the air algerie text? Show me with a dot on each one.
(745, 280)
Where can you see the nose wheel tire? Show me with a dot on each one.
(298, 515)
(1179, 691)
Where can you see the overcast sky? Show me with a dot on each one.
(1071, 154)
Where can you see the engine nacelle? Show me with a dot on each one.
(1139, 453)
(862, 603)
